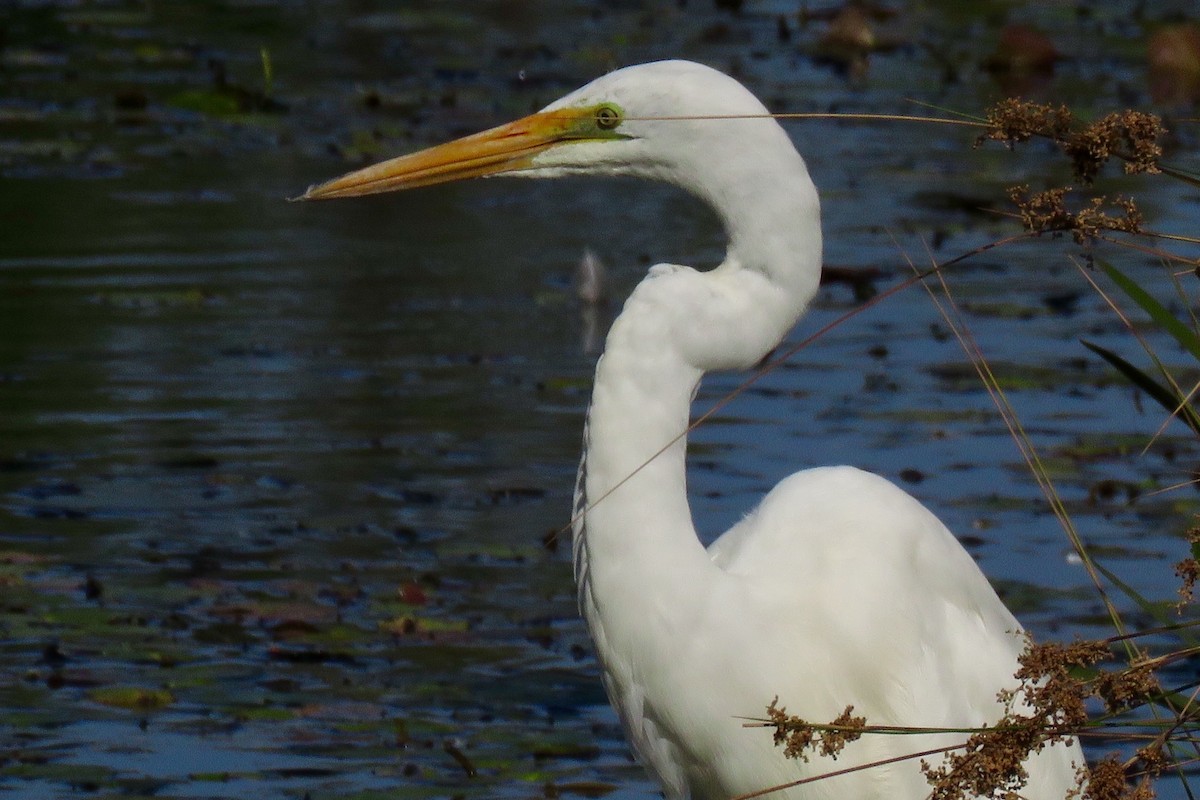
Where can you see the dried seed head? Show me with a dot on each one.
(1132, 135)
(1013, 120)
(1047, 212)
(798, 736)
(1129, 135)
(1123, 689)
(843, 730)
(1108, 782)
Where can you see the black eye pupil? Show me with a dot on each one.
(607, 118)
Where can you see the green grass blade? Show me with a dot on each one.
(1156, 310)
(1162, 394)
(1155, 611)
(1178, 173)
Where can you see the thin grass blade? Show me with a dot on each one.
(1162, 394)
(1186, 337)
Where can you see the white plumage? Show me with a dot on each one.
(839, 588)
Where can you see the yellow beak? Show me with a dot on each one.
(506, 148)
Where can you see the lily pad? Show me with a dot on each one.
(133, 698)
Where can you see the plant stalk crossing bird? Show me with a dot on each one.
(839, 588)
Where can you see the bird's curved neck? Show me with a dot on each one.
(640, 566)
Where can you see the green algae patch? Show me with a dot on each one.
(132, 698)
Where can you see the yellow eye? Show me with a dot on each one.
(607, 118)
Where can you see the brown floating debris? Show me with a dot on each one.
(1173, 60)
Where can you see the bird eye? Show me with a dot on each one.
(607, 118)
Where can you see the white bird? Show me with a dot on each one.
(839, 588)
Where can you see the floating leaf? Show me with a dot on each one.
(207, 101)
(407, 624)
(132, 697)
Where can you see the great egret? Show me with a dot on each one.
(839, 588)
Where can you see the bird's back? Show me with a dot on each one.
(855, 594)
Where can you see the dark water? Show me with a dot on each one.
(279, 482)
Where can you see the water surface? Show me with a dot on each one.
(279, 483)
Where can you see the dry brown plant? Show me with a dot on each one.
(1050, 705)
(1131, 136)
(1188, 570)
(798, 736)
(1047, 212)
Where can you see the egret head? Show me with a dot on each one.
(647, 120)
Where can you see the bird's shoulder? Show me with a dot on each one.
(911, 623)
(851, 528)
(826, 512)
